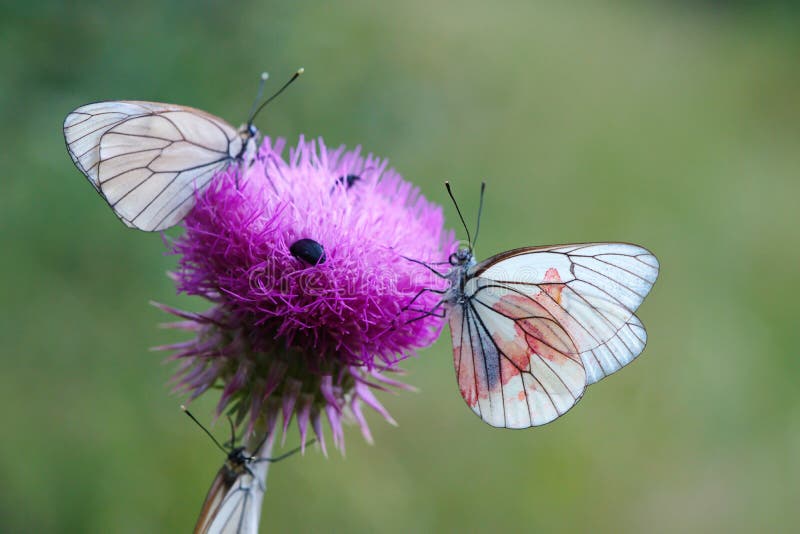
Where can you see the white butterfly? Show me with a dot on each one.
(532, 327)
(147, 159)
(233, 502)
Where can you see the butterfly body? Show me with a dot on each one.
(461, 261)
(148, 159)
(532, 327)
(249, 135)
(236, 465)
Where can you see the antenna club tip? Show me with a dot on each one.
(184, 408)
(300, 71)
(265, 76)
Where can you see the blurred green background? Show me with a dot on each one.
(673, 125)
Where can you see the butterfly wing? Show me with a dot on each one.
(592, 290)
(147, 159)
(233, 503)
(549, 320)
(216, 494)
(509, 377)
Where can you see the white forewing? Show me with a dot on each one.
(147, 159)
(592, 290)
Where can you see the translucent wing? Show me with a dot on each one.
(147, 159)
(233, 504)
(216, 494)
(514, 373)
(612, 355)
(591, 290)
(538, 325)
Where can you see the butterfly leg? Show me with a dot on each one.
(427, 266)
(285, 455)
(271, 166)
(427, 313)
(422, 292)
(233, 432)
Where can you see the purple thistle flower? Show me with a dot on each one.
(305, 262)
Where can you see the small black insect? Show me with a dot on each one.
(308, 250)
(350, 179)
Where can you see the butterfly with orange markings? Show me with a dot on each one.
(533, 327)
(148, 159)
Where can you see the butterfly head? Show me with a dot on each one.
(238, 456)
(248, 133)
(462, 257)
(251, 132)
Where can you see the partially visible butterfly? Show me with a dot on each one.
(147, 159)
(233, 502)
(532, 327)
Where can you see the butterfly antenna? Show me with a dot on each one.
(450, 192)
(480, 210)
(296, 75)
(204, 429)
(233, 431)
(261, 83)
(290, 453)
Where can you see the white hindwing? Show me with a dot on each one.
(540, 324)
(147, 159)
